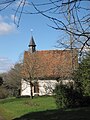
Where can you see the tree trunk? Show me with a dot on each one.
(31, 90)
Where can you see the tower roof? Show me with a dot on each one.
(32, 42)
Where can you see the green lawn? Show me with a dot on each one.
(40, 108)
(15, 107)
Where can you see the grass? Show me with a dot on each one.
(40, 108)
(15, 107)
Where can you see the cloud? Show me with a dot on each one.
(6, 27)
(5, 64)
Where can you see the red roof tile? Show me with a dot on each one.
(50, 63)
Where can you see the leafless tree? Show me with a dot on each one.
(70, 17)
(12, 79)
(29, 71)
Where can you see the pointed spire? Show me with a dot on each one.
(32, 45)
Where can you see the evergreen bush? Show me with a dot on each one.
(67, 97)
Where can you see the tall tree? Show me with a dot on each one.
(82, 75)
(29, 71)
(12, 79)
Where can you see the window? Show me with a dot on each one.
(36, 87)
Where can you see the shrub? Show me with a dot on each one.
(67, 97)
(86, 101)
(3, 93)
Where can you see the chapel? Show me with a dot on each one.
(45, 68)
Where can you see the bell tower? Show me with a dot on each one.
(32, 45)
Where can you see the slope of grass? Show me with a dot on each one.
(15, 107)
(40, 108)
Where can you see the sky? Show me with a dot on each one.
(14, 40)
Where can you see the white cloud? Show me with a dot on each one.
(5, 64)
(6, 27)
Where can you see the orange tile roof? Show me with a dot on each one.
(50, 63)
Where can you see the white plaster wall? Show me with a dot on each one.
(46, 87)
(67, 81)
(25, 88)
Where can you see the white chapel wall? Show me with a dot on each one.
(46, 87)
(25, 88)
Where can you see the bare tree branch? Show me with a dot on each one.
(71, 17)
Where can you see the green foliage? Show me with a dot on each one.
(79, 94)
(82, 76)
(60, 96)
(67, 97)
